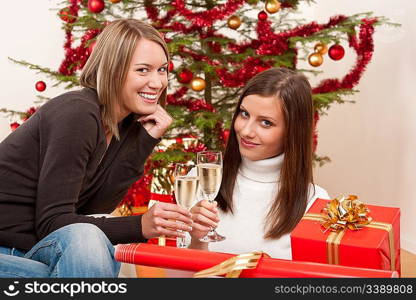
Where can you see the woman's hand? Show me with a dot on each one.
(161, 219)
(205, 216)
(156, 123)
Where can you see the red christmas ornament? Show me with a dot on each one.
(14, 125)
(336, 52)
(225, 135)
(66, 15)
(40, 86)
(29, 113)
(96, 6)
(171, 66)
(185, 76)
(262, 16)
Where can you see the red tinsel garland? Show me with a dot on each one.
(364, 49)
(208, 17)
(270, 43)
(75, 58)
(153, 14)
(139, 192)
(192, 105)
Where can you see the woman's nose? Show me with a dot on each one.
(155, 81)
(248, 129)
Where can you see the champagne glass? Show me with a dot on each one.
(210, 175)
(185, 187)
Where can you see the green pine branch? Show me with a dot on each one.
(70, 81)
(11, 113)
(320, 160)
(323, 101)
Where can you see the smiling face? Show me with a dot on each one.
(145, 80)
(260, 127)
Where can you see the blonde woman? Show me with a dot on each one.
(78, 155)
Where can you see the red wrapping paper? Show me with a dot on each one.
(364, 248)
(197, 260)
(162, 197)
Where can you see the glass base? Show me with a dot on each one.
(212, 236)
(181, 243)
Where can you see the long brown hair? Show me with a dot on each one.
(294, 92)
(107, 67)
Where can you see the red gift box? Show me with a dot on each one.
(376, 245)
(197, 260)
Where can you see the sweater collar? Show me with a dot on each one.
(266, 170)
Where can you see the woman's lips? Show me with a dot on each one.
(247, 144)
(148, 99)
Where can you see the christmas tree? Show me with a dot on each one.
(216, 47)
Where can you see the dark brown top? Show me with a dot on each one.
(55, 169)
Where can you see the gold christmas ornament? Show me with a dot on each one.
(115, 1)
(315, 59)
(198, 84)
(272, 6)
(234, 22)
(321, 48)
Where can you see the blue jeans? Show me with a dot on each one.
(76, 250)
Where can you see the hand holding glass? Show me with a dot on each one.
(186, 187)
(210, 176)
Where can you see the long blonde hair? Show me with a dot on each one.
(107, 66)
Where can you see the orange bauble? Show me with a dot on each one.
(315, 59)
(234, 22)
(198, 84)
(272, 6)
(321, 48)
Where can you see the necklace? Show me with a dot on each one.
(274, 181)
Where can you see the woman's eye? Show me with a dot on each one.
(244, 114)
(143, 70)
(163, 69)
(266, 123)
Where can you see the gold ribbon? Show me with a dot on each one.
(330, 219)
(233, 266)
(345, 212)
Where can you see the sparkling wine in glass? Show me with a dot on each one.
(185, 187)
(210, 175)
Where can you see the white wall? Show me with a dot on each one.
(31, 31)
(371, 143)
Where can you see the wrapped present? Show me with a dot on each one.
(346, 232)
(255, 264)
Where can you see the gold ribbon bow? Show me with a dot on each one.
(345, 212)
(348, 213)
(233, 266)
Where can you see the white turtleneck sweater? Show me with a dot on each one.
(255, 189)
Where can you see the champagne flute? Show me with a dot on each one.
(210, 176)
(185, 187)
